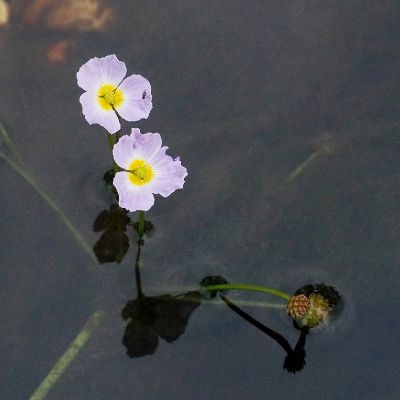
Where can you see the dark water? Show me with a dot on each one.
(244, 92)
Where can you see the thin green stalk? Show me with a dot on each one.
(68, 357)
(112, 139)
(182, 290)
(259, 304)
(74, 232)
(244, 286)
(141, 224)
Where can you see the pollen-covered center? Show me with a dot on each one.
(140, 172)
(109, 96)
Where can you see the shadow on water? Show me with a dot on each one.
(153, 317)
(295, 358)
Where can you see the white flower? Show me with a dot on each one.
(147, 170)
(108, 93)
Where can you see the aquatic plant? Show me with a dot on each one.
(108, 95)
(310, 306)
(147, 170)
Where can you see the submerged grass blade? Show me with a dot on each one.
(69, 355)
(30, 179)
(306, 163)
(9, 142)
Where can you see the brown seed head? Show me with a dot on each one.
(298, 306)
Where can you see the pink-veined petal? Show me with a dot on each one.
(146, 144)
(132, 197)
(99, 71)
(169, 174)
(136, 146)
(95, 114)
(124, 152)
(137, 102)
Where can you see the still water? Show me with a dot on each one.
(245, 93)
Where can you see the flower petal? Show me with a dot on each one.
(94, 114)
(169, 174)
(132, 197)
(99, 71)
(146, 144)
(124, 152)
(137, 102)
(136, 146)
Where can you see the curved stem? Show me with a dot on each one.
(244, 286)
(255, 304)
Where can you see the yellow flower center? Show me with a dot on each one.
(140, 172)
(109, 96)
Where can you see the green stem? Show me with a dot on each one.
(141, 224)
(184, 289)
(259, 304)
(76, 235)
(254, 288)
(112, 140)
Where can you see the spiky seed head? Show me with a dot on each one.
(298, 306)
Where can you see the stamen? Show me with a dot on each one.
(110, 96)
(141, 173)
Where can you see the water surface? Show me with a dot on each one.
(244, 93)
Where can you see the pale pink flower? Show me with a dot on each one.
(147, 170)
(108, 93)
